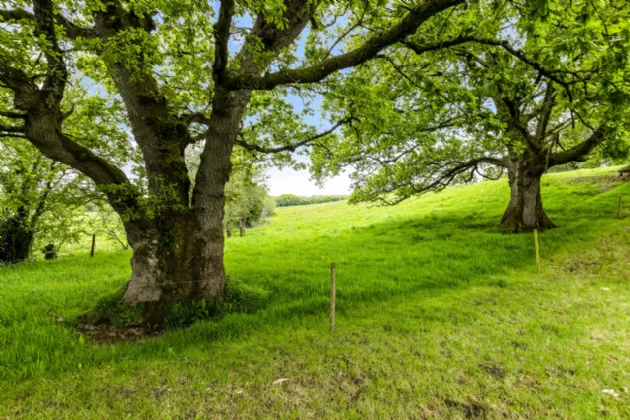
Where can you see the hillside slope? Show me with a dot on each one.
(440, 314)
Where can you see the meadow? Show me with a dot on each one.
(440, 314)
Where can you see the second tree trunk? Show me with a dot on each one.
(525, 210)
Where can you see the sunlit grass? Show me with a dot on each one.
(440, 314)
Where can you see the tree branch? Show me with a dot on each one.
(347, 32)
(221, 38)
(311, 74)
(11, 129)
(442, 176)
(22, 85)
(514, 122)
(55, 81)
(294, 146)
(550, 74)
(196, 117)
(73, 31)
(13, 114)
(16, 14)
(579, 151)
(545, 113)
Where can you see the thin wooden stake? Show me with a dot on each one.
(619, 208)
(537, 251)
(333, 294)
(93, 245)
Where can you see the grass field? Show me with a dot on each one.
(440, 315)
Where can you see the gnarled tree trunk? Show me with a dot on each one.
(525, 210)
(176, 263)
(178, 255)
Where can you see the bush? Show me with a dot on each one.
(50, 252)
(115, 311)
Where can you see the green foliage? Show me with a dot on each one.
(38, 199)
(113, 310)
(290, 200)
(245, 196)
(187, 313)
(238, 298)
(269, 206)
(286, 200)
(423, 119)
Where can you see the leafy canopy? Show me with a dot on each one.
(547, 78)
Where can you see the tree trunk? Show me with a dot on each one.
(241, 226)
(171, 265)
(178, 254)
(525, 210)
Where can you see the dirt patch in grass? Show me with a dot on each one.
(492, 370)
(593, 180)
(110, 334)
(470, 410)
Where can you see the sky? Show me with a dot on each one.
(290, 181)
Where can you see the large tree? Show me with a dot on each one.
(185, 73)
(427, 117)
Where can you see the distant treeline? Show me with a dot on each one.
(286, 200)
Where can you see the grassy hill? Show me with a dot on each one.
(440, 314)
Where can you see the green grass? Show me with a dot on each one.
(440, 315)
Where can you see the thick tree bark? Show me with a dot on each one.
(525, 210)
(172, 265)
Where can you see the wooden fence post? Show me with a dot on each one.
(537, 251)
(333, 294)
(93, 245)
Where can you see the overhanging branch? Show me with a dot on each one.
(315, 73)
(11, 129)
(291, 147)
(578, 152)
(73, 31)
(441, 174)
(13, 114)
(419, 48)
